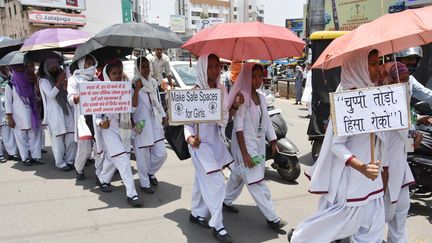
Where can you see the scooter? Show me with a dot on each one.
(420, 161)
(286, 161)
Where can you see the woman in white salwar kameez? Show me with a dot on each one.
(149, 145)
(114, 144)
(350, 185)
(84, 133)
(400, 177)
(209, 156)
(252, 126)
(22, 114)
(58, 113)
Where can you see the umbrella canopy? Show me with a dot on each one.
(13, 58)
(8, 45)
(388, 34)
(241, 41)
(17, 57)
(138, 35)
(100, 52)
(56, 39)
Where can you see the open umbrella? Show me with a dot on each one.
(241, 41)
(17, 57)
(388, 34)
(8, 45)
(138, 35)
(99, 51)
(61, 39)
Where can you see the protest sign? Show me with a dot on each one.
(105, 97)
(370, 110)
(195, 106)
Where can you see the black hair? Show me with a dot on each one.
(41, 72)
(111, 66)
(373, 52)
(257, 67)
(213, 56)
(142, 59)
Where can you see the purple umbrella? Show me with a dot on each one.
(57, 39)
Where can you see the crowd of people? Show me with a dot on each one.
(357, 195)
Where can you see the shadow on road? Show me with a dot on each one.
(306, 159)
(272, 175)
(417, 208)
(247, 226)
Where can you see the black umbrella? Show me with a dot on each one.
(138, 35)
(100, 52)
(9, 45)
(16, 57)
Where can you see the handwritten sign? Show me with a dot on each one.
(105, 97)
(370, 110)
(195, 106)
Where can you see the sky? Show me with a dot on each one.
(275, 11)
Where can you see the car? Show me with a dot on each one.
(184, 74)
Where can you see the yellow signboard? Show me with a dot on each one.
(349, 14)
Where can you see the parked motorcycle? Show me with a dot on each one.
(286, 161)
(420, 161)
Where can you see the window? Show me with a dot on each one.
(196, 13)
(250, 6)
(193, 21)
(235, 8)
(235, 16)
(261, 11)
(10, 13)
(15, 9)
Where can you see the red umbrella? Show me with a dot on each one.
(241, 41)
(389, 33)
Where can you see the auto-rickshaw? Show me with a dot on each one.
(323, 83)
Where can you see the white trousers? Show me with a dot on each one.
(8, 138)
(364, 224)
(149, 160)
(396, 216)
(84, 151)
(123, 165)
(207, 195)
(259, 191)
(28, 141)
(64, 149)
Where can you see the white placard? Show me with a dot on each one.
(370, 110)
(105, 97)
(195, 106)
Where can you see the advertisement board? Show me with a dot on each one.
(42, 17)
(178, 23)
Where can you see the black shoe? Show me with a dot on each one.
(66, 168)
(277, 226)
(27, 162)
(38, 161)
(98, 183)
(14, 157)
(134, 202)
(148, 190)
(230, 208)
(289, 235)
(44, 151)
(201, 221)
(71, 165)
(2, 159)
(80, 176)
(226, 238)
(153, 180)
(106, 187)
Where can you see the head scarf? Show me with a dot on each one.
(62, 95)
(25, 91)
(355, 72)
(125, 118)
(202, 78)
(150, 86)
(392, 70)
(86, 73)
(243, 84)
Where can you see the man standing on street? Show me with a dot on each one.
(160, 63)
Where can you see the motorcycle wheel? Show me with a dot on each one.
(316, 148)
(287, 167)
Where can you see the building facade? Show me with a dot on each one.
(247, 10)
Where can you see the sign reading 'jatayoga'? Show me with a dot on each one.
(195, 106)
(105, 97)
(370, 110)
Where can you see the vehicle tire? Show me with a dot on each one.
(288, 167)
(316, 148)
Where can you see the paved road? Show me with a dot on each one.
(42, 204)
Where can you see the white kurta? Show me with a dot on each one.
(116, 154)
(248, 120)
(149, 145)
(27, 138)
(7, 133)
